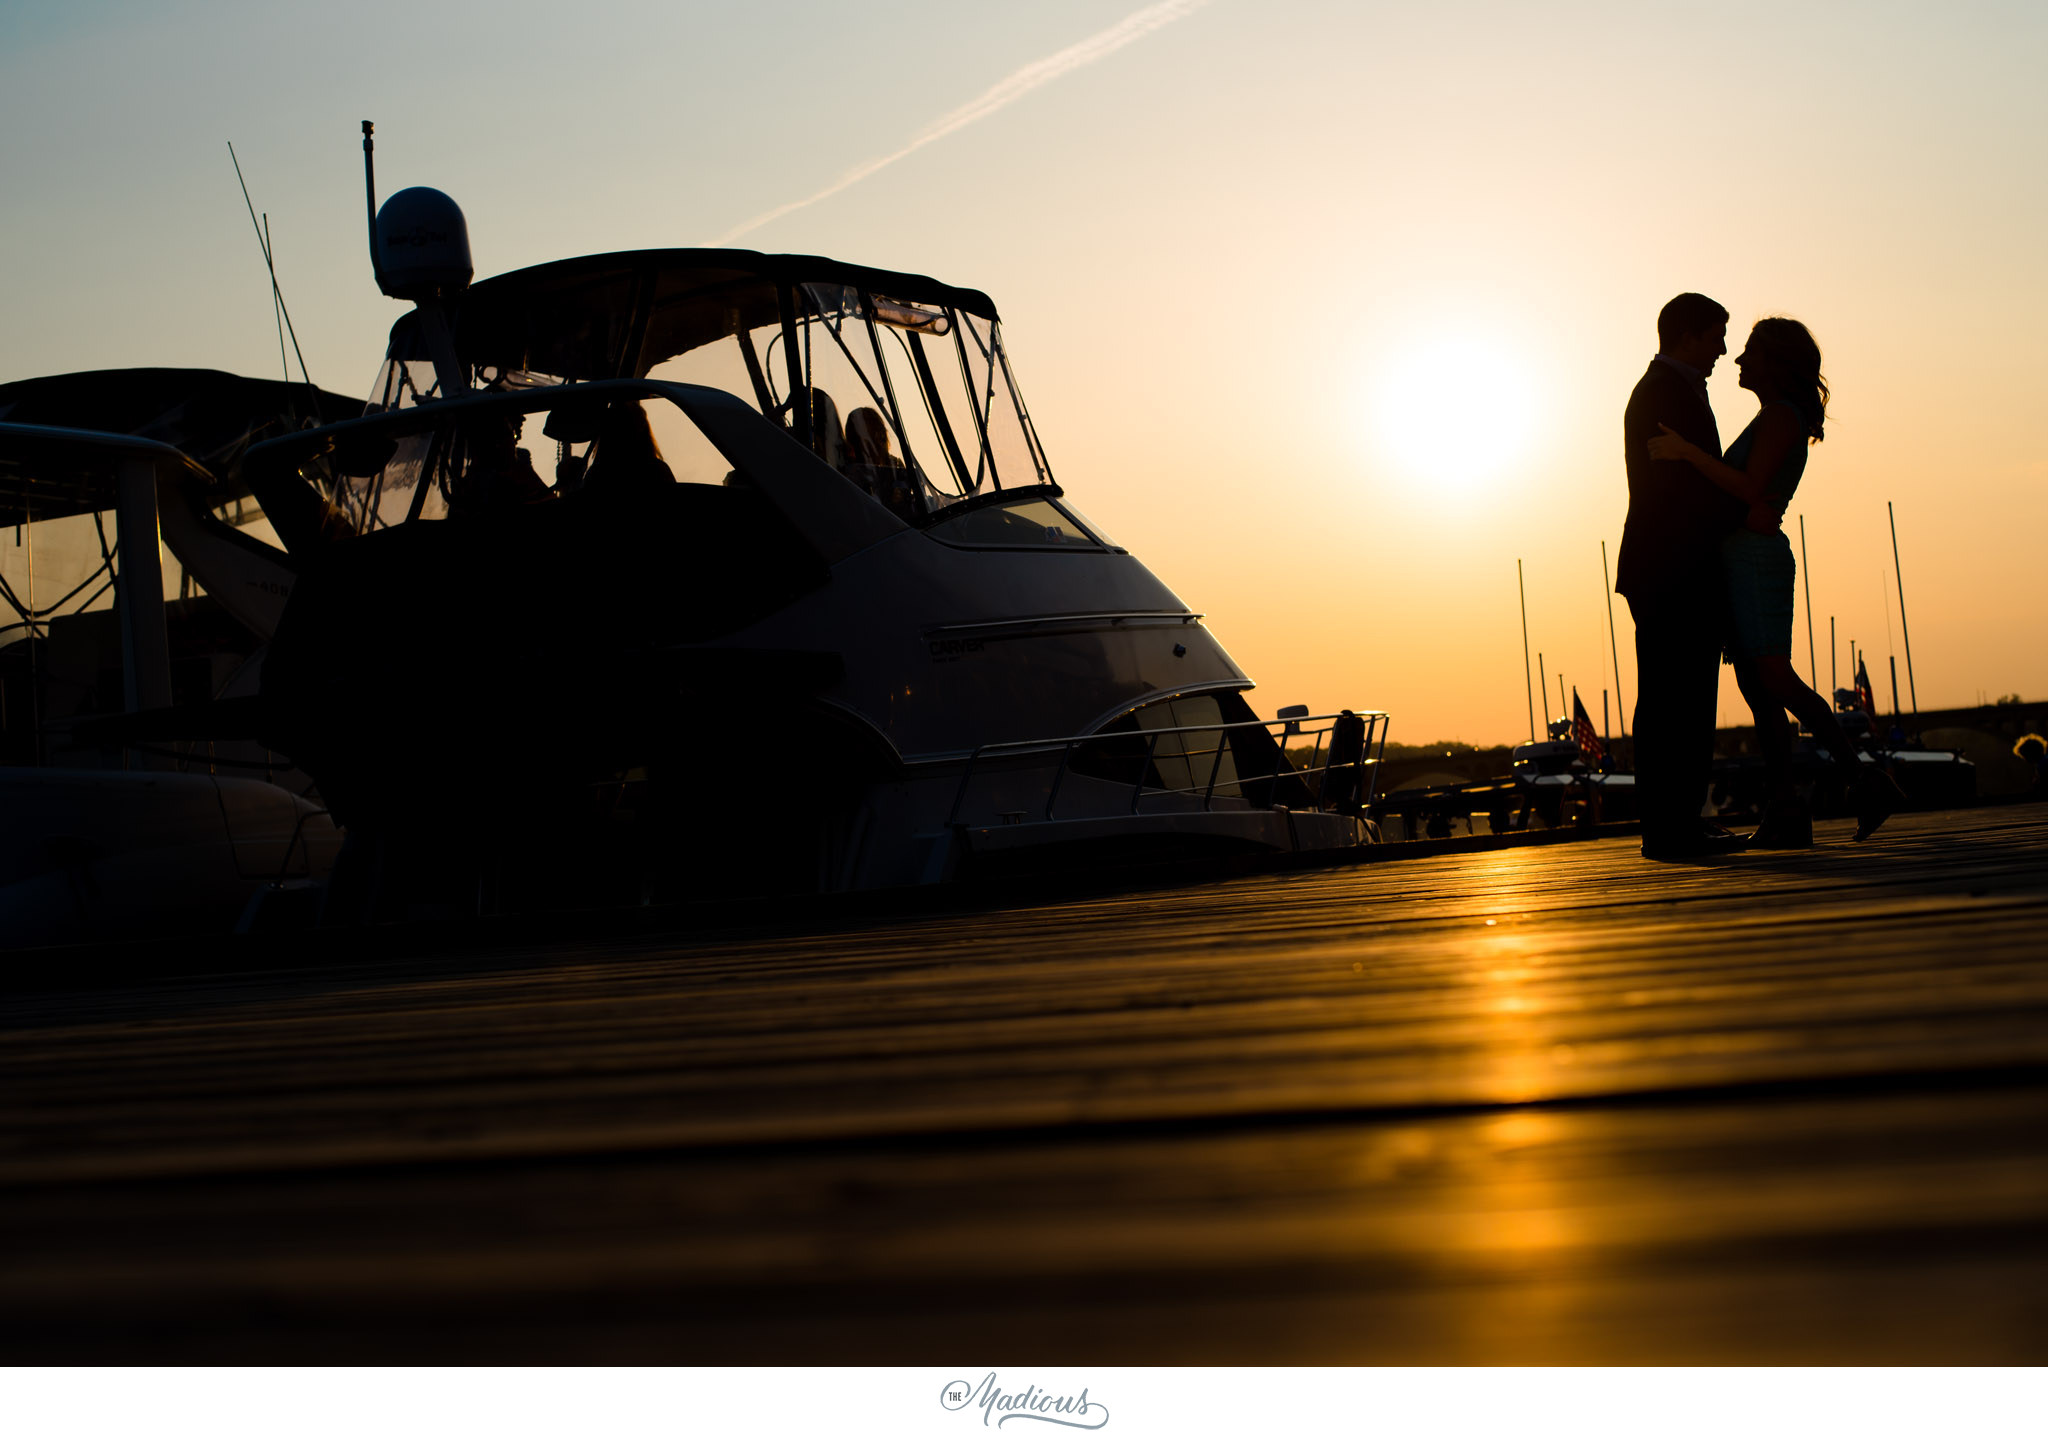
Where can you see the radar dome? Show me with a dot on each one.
(424, 245)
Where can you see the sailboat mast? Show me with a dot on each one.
(1806, 575)
(1530, 690)
(1614, 647)
(1904, 631)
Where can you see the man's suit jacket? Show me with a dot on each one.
(1676, 517)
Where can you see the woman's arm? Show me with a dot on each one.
(1776, 431)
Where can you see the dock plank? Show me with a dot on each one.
(1552, 1103)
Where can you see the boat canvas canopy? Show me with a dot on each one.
(618, 315)
(896, 380)
(211, 416)
(48, 472)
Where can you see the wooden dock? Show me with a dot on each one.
(1529, 1104)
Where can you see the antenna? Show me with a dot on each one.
(370, 198)
(430, 263)
(277, 311)
(270, 263)
(1528, 688)
(1613, 647)
(1544, 682)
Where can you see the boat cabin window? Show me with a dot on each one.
(62, 565)
(1161, 746)
(1033, 522)
(401, 383)
(1154, 746)
(481, 463)
(1182, 759)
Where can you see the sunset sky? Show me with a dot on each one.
(1328, 311)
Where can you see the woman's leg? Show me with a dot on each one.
(1767, 703)
(1873, 790)
(1777, 678)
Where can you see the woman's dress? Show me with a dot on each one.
(1758, 566)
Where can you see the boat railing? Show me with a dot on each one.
(1336, 757)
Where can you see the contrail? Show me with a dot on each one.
(1005, 91)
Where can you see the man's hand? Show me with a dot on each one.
(1673, 448)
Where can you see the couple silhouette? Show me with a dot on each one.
(1706, 569)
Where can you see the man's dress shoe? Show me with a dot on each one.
(1692, 845)
(1786, 825)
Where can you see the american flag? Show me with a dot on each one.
(1864, 694)
(1590, 745)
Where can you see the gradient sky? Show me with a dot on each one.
(1231, 256)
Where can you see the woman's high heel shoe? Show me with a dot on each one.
(1786, 825)
(1877, 795)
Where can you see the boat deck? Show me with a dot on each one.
(1529, 1104)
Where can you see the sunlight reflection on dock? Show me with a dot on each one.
(1538, 1105)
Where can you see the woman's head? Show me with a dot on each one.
(867, 437)
(627, 435)
(1781, 360)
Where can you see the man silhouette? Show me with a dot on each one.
(1669, 570)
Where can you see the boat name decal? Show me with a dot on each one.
(952, 648)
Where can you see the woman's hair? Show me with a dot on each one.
(627, 435)
(1791, 368)
(867, 436)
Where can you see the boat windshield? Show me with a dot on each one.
(906, 398)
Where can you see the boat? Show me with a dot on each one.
(1548, 784)
(123, 818)
(799, 606)
(1555, 781)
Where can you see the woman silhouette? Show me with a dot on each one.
(1781, 365)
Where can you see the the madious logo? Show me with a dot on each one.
(1033, 1404)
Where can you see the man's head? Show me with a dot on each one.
(1693, 329)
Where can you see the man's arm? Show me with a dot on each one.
(1660, 402)
(1776, 431)
(1680, 408)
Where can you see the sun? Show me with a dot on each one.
(1454, 411)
